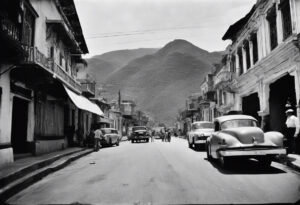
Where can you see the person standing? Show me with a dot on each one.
(292, 124)
(97, 144)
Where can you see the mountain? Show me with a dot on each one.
(101, 66)
(160, 82)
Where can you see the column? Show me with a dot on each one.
(279, 25)
(244, 60)
(251, 52)
(237, 64)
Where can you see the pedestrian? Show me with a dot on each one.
(292, 130)
(152, 136)
(98, 134)
(169, 136)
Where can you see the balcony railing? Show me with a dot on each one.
(36, 57)
(88, 87)
(224, 77)
(9, 28)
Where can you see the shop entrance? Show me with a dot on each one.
(280, 92)
(250, 105)
(19, 126)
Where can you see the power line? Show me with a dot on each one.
(140, 32)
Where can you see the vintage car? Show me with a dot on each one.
(200, 131)
(110, 137)
(238, 136)
(139, 133)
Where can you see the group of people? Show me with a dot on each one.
(167, 136)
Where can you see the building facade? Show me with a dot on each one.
(264, 55)
(41, 106)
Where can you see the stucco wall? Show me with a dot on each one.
(6, 106)
(46, 10)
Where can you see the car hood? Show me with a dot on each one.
(246, 135)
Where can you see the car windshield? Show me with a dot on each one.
(202, 125)
(238, 123)
(139, 129)
(109, 131)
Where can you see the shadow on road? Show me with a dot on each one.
(245, 167)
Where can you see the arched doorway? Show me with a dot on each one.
(280, 91)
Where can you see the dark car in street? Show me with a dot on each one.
(139, 133)
(238, 136)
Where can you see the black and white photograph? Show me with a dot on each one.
(149, 102)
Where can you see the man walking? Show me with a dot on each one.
(292, 131)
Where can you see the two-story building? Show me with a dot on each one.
(207, 100)
(266, 59)
(41, 106)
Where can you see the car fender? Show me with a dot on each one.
(275, 138)
(217, 140)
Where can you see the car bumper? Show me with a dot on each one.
(200, 141)
(254, 152)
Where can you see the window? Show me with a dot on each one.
(224, 98)
(28, 27)
(52, 52)
(254, 47)
(232, 64)
(247, 51)
(286, 18)
(271, 17)
(240, 56)
(61, 60)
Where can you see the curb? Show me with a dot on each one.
(293, 166)
(14, 176)
(25, 182)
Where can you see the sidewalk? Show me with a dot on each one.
(26, 171)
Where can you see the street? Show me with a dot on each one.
(161, 173)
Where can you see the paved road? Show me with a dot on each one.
(161, 173)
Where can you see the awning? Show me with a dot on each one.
(83, 103)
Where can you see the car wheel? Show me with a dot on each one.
(208, 152)
(110, 143)
(265, 162)
(147, 140)
(117, 143)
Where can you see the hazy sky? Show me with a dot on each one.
(126, 24)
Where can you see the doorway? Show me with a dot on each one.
(19, 126)
(250, 105)
(280, 92)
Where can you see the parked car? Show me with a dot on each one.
(238, 136)
(140, 133)
(110, 137)
(159, 132)
(200, 131)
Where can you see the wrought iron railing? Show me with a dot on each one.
(88, 87)
(37, 57)
(9, 28)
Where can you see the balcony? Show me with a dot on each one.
(224, 79)
(88, 88)
(34, 56)
(9, 28)
(10, 40)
